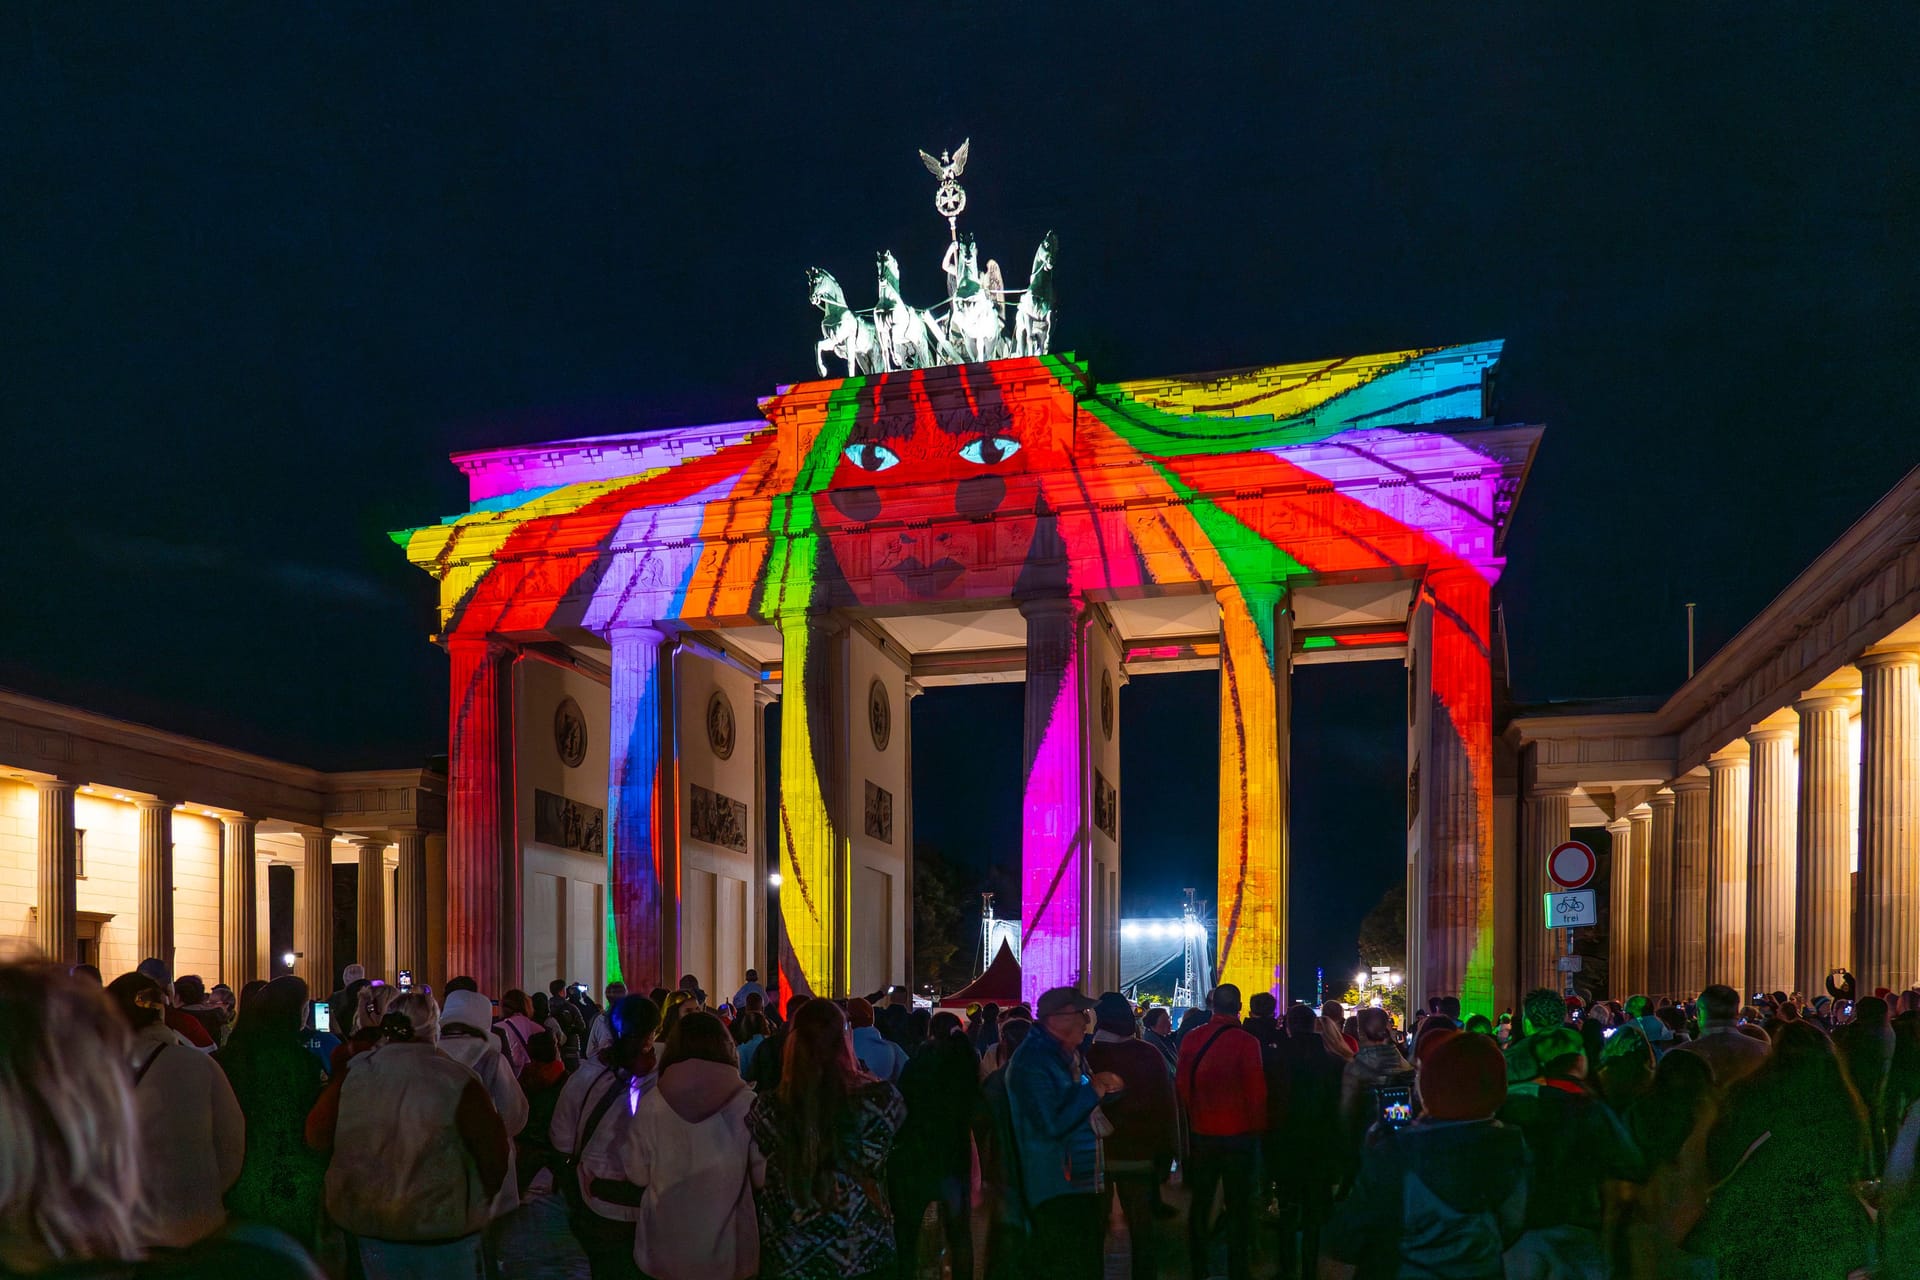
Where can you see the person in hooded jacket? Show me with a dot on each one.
(933, 1152)
(1307, 1140)
(688, 1148)
(586, 1131)
(463, 1037)
(276, 1082)
(1447, 1195)
(192, 1135)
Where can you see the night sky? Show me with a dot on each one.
(264, 266)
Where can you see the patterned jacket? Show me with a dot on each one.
(850, 1232)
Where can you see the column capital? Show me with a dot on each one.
(1889, 655)
(1543, 790)
(377, 841)
(1047, 602)
(824, 621)
(1734, 753)
(1660, 800)
(765, 693)
(1691, 782)
(1641, 813)
(1822, 700)
(239, 821)
(491, 645)
(1772, 733)
(641, 632)
(45, 785)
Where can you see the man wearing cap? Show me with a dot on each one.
(177, 1020)
(1054, 1100)
(1447, 1195)
(1224, 1088)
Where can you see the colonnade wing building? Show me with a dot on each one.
(618, 610)
(1763, 823)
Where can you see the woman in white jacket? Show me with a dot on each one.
(464, 1025)
(192, 1135)
(688, 1148)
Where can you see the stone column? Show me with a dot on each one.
(815, 950)
(765, 956)
(1888, 884)
(1256, 649)
(1660, 922)
(56, 929)
(1727, 868)
(239, 889)
(1054, 823)
(477, 804)
(1548, 818)
(410, 904)
(1772, 788)
(156, 880)
(1823, 922)
(1640, 876)
(1620, 908)
(313, 933)
(644, 861)
(1692, 819)
(370, 921)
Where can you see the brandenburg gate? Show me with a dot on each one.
(961, 506)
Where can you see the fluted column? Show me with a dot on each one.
(55, 925)
(1549, 813)
(1692, 819)
(477, 921)
(1054, 824)
(1641, 889)
(640, 800)
(815, 848)
(1256, 652)
(155, 919)
(370, 921)
(239, 891)
(1727, 868)
(1772, 790)
(1660, 930)
(1888, 884)
(410, 904)
(1619, 908)
(314, 931)
(1823, 920)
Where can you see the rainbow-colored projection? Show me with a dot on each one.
(1020, 481)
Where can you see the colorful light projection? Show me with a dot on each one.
(1012, 480)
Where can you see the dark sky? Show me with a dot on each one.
(263, 266)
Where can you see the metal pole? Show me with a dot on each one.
(1689, 639)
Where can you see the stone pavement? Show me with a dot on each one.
(538, 1246)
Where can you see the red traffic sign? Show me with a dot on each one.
(1571, 865)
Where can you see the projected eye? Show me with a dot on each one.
(872, 457)
(990, 449)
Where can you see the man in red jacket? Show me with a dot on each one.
(1225, 1093)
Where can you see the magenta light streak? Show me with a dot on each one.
(1052, 848)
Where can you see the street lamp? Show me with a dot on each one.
(773, 879)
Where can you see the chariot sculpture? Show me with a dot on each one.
(970, 325)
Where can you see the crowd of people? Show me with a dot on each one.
(155, 1127)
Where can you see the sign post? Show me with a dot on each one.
(1570, 867)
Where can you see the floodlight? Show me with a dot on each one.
(773, 879)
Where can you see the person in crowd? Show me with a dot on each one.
(1053, 1101)
(1729, 1055)
(1263, 1021)
(1333, 1029)
(462, 1035)
(276, 1082)
(984, 1028)
(1670, 1125)
(1626, 1067)
(1790, 1142)
(192, 1136)
(897, 1025)
(1224, 1090)
(1377, 1064)
(749, 1032)
(1156, 1028)
(770, 1058)
(370, 1004)
(72, 1159)
(321, 1044)
(541, 1083)
(516, 1026)
(1002, 1193)
(1144, 1116)
(826, 1134)
(341, 1001)
(1866, 1046)
(1188, 1021)
(417, 1154)
(542, 1014)
(878, 1056)
(587, 1133)
(750, 987)
(190, 990)
(687, 1149)
(1903, 1073)
(178, 1020)
(567, 1013)
(1578, 1146)
(1308, 1137)
(1447, 1195)
(933, 1154)
(600, 1033)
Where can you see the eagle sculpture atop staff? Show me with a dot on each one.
(950, 198)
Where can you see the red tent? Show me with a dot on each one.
(1000, 984)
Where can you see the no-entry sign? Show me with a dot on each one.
(1571, 865)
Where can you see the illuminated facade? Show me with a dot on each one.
(1011, 519)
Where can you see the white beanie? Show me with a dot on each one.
(469, 1009)
(353, 973)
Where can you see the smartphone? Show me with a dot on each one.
(322, 1016)
(406, 979)
(1395, 1106)
(1608, 1034)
